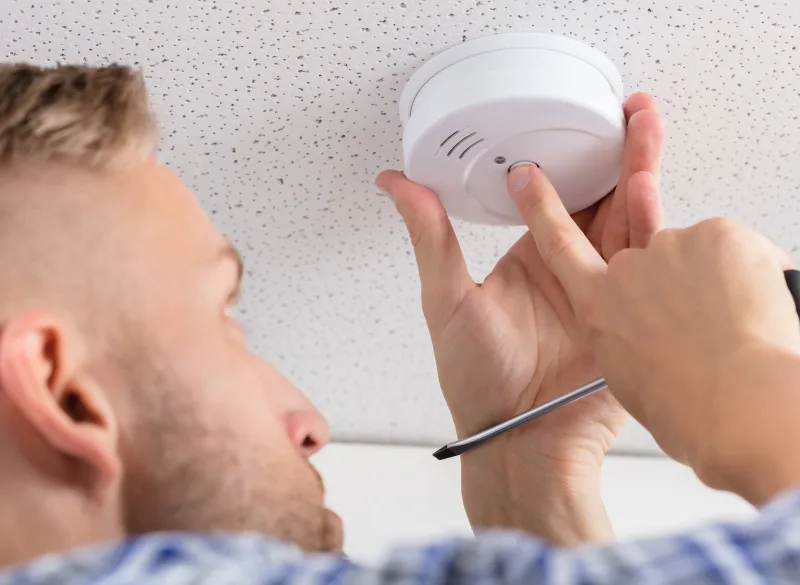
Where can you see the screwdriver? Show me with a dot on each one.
(458, 447)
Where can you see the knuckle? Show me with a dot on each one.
(433, 226)
(556, 244)
(719, 229)
(663, 238)
(722, 235)
(414, 234)
(529, 203)
(621, 266)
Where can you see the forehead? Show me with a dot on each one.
(172, 245)
(138, 218)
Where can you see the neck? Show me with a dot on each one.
(47, 521)
(50, 513)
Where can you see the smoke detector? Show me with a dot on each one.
(476, 109)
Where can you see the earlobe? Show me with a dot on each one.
(40, 373)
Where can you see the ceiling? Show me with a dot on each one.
(279, 114)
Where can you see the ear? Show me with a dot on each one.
(41, 373)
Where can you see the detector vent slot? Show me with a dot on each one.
(470, 147)
(460, 143)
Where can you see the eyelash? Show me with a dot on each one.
(233, 300)
(230, 315)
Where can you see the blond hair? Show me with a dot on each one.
(76, 114)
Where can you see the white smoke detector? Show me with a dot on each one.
(474, 110)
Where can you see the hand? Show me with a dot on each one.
(513, 342)
(697, 336)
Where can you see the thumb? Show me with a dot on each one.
(442, 270)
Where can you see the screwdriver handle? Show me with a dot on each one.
(793, 283)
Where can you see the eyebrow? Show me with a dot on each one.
(230, 253)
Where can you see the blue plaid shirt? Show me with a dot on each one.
(766, 551)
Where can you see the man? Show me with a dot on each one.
(135, 423)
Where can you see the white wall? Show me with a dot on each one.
(396, 495)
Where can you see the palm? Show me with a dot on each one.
(523, 347)
(513, 341)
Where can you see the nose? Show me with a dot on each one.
(307, 429)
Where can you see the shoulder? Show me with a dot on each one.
(170, 557)
(765, 551)
(183, 558)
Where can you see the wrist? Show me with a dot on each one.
(753, 428)
(504, 487)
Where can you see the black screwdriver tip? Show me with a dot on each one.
(444, 453)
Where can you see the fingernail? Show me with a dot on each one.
(519, 177)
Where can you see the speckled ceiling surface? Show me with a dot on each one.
(279, 114)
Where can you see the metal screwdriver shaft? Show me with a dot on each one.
(458, 447)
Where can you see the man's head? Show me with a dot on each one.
(128, 400)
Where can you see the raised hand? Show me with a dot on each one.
(513, 342)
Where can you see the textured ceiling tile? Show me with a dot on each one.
(279, 114)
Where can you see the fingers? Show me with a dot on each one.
(643, 152)
(644, 209)
(644, 144)
(563, 247)
(442, 269)
(637, 102)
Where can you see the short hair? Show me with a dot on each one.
(75, 114)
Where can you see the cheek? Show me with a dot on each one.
(216, 426)
(241, 395)
(226, 389)
(240, 399)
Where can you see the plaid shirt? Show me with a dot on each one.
(766, 551)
